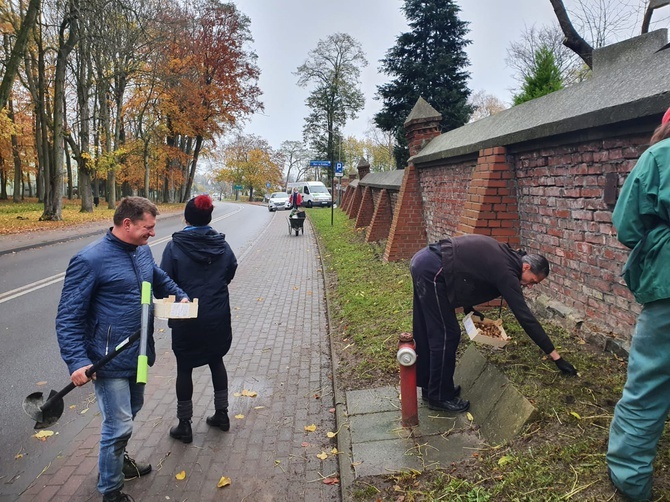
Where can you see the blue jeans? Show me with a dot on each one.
(640, 414)
(119, 400)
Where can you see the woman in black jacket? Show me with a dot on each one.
(202, 263)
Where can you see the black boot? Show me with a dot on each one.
(182, 431)
(219, 419)
(133, 469)
(117, 496)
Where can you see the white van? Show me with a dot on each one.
(314, 193)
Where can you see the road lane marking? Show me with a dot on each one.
(43, 283)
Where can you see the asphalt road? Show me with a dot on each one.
(30, 286)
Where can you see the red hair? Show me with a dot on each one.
(203, 203)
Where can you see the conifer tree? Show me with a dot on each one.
(429, 61)
(544, 78)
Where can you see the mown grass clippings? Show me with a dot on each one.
(560, 456)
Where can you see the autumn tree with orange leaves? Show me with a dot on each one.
(210, 80)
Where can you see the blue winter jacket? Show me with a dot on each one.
(101, 304)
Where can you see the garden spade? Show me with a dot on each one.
(47, 413)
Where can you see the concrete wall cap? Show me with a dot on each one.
(638, 89)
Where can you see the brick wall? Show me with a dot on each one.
(551, 201)
(564, 217)
(444, 191)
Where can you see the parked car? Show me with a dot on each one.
(278, 200)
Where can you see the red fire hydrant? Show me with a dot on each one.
(408, 400)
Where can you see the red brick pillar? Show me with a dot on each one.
(491, 206)
(408, 229)
(380, 225)
(355, 203)
(366, 209)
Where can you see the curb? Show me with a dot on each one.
(341, 417)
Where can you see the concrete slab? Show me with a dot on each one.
(433, 423)
(373, 400)
(443, 450)
(377, 427)
(385, 457)
(469, 367)
(508, 417)
(485, 392)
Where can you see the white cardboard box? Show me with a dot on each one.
(166, 308)
(477, 335)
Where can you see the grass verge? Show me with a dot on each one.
(559, 456)
(25, 216)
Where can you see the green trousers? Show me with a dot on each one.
(640, 414)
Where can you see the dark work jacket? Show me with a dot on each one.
(200, 260)
(478, 269)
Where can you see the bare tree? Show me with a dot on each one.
(601, 21)
(295, 156)
(521, 53)
(485, 105)
(333, 70)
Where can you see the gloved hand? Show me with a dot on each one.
(467, 310)
(565, 367)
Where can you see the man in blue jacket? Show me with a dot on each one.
(100, 306)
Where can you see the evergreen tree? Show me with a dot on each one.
(544, 78)
(429, 61)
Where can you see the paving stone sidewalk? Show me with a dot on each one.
(281, 352)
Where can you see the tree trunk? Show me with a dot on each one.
(147, 170)
(18, 51)
(84, 85)
(16, 195)
(3, 179)
(54, 207)
(194, 164)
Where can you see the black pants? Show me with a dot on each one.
(436, 329)
(184, 385)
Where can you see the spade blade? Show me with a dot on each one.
(44, 416)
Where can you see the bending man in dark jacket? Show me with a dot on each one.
(100, 306)
(463, 272)
(200, 260)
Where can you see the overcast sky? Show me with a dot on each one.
(285, 31)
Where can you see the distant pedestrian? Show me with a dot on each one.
(463, 272)
(295, 199)
(642, 221)
(200, 260)
(100, 306)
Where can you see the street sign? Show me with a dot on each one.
(237, 187)
(268, 185)
(319, 163)
(339, 169)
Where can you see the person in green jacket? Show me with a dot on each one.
(642, 220)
